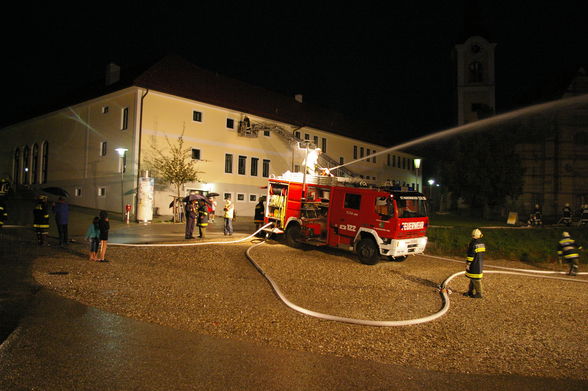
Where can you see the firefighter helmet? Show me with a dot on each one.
(565, 234)
(477, 234)
(567, 205)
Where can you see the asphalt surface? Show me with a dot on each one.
(53, 343)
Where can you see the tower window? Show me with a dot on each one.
(475, 69)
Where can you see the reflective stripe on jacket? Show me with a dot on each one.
(568, 248)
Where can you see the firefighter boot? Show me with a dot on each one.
(573, 269)
(477, 289)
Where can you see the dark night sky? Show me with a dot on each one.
(392, 64)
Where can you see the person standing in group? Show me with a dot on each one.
(93, 235)
(475, 264)
(202, 218)
(41, 220)
(259, 214)
(3, 212)
(229, 214)
(104, 227)
(569, 250)
(191, 214)
(61, 210)
(211, 209)
(567, 215)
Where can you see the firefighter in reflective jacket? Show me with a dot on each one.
(569, 250)
(202, 218)
(41, 220)
(3, 212)
(475, 264)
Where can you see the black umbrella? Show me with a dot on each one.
(213, 195)
(58, 191)
(193, 197)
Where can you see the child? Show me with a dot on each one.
(93, 235)
(103, 226)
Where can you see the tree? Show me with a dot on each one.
(483, 169)
(174, 166)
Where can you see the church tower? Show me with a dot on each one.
(476, 97)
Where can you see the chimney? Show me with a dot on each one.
(298, 98)
(112, 73)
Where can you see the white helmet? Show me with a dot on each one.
(477, 234)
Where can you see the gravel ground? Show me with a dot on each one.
(524, 325)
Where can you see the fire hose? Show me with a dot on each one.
(444, 290)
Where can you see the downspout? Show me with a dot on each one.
(139, 150)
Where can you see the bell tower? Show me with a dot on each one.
(476, 97)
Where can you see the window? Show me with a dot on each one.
(229, 163)
(45, 162)
(324, 145)
(393, 160)
(124, 121)
(242, 164)
(388, 160)
(103, 148)
(25, 164)
(254, 164)
(78, 192)
(297, 135)
(227, 196)
(367, 153)
(266, 168)
(104, 109)
(35, 164)
(355, 151)
(373, 157)
(230, 123)
(195, 154)
(197, 116)
(403, 163)
(315, 141)
(297, 168)
(352, 201)
(341, 160)
(101, 191)
(17, 166)
(240, 197)
(361, 152)
(252, 197)
(306, 136)
(475, 69)
(266, 133)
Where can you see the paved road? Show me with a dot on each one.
(59, 344)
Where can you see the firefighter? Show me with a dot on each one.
(536, 217)
(202, 218)
(41, 219)
(311, 161)
(568, 249)
(475, 265)
(566, 215)
(259, 214)
(3, 212)
(584, 215)
(191, 213)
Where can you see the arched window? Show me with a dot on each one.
(475, 69)
(25, 164)
(35, 165)
(17, 166)
(45, 161)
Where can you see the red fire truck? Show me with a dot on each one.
(370, 221)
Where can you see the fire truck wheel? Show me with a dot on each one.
(292, 235)
(398, 259)
(368, 251)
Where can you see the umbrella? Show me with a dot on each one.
(193, 197)
(213, 195)
(58, 191)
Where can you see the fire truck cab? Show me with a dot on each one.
(329, 211)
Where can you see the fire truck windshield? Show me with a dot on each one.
(411, 207)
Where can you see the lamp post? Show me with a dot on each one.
(417, 165)
(431, 183)
(122, 153)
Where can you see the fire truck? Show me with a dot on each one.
(338, 212)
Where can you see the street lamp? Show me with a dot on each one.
(431, 182)
(417, 165)
(122, 153)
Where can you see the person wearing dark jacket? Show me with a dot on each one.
(191, 215)
(202, 218)
(104, 227)
(475, 264)
(41, 220)
(568, 249)
(61, 210)
(259, 214)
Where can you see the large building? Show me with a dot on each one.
(554, 155)
(238, 135)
